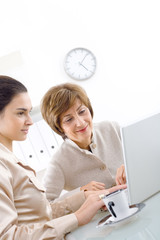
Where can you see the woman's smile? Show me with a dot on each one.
(83, 129)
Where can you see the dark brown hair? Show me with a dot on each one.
(9, 88)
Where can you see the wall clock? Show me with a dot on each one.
(80, 63)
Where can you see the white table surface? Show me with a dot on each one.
(145, 225)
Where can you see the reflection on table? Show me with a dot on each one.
(145, 225)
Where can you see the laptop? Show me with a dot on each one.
(141, 152)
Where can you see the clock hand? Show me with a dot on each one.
(83, 66)
(84, 58)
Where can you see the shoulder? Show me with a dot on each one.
(106, 129)
(8, 161)
(66, 146)
(5, 171)
(5, 158)
(67, 150)
(3, 164)
(107, 125)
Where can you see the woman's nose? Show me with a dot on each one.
(79, 121)
(29, 120)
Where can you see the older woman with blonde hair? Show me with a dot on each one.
(90, 158)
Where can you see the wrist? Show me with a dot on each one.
(83, 188)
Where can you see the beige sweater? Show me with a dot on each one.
(72, 167)
(25, 211)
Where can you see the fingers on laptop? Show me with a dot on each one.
(121, 175)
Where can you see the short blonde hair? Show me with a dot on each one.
(59, 99)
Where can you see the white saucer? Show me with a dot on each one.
(109, 220)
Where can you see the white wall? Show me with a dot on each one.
(124, 35)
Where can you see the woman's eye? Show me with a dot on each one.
(68, 120)
(82, 111)
(20, 113)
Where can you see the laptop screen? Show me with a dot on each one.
(141, 152)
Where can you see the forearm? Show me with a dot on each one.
(67, 194)
(68, 205)
(54, 229)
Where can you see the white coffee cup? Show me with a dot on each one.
(117, 204)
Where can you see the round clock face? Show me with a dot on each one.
(80, 64)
